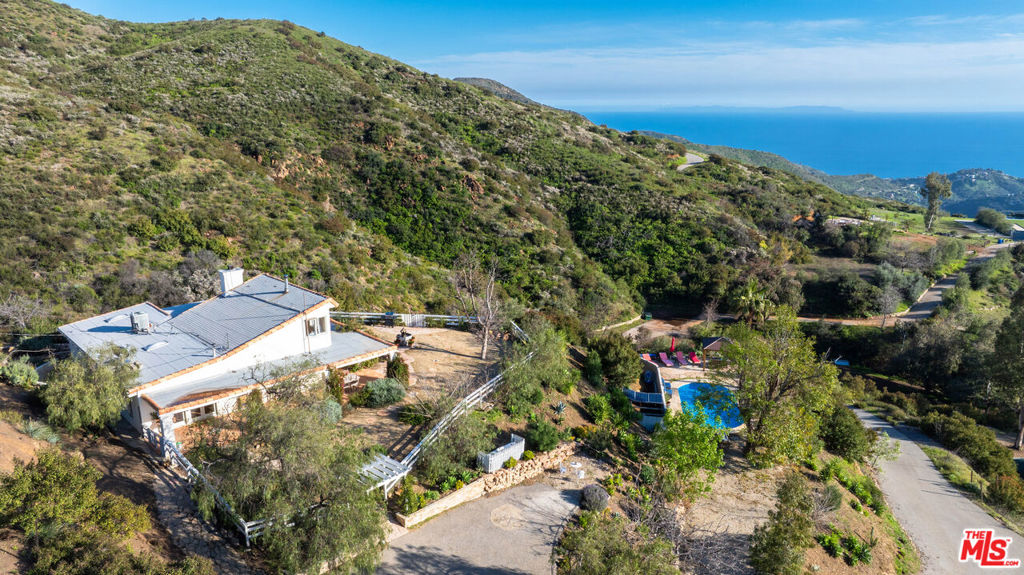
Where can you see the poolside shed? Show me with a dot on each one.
(713, 344)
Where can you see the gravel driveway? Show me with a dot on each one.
(932, 511)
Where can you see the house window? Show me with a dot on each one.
(204, 411)
(178, 417)
(316, 325)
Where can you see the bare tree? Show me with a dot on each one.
(19, 310)
(476, 289)
(888, 301)
(711, 311)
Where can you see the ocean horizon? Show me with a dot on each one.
(842, 142)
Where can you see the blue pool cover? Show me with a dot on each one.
(716, 400)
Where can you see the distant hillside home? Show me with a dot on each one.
(1017, 233)
(200, 360)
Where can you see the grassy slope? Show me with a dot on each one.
(291, 152)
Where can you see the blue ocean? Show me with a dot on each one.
(844, 143)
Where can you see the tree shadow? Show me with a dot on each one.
(424, 559)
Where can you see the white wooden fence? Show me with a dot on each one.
(251, 529)
(419, 320)
(248, 529)
(405, 319)
(467, 403)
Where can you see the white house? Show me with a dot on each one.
(199, 360)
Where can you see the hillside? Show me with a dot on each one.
(972, 188)
(498, 89)
(125, 147)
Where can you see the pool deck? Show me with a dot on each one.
(679, 376)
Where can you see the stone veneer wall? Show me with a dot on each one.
(501, 479)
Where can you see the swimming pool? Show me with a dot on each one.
(716, 400)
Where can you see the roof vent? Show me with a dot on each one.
(230, 279)
(140, 322)
(286, 284)
(154, 346)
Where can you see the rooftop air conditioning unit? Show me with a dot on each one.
(140, 322)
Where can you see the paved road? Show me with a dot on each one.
(511, 533)
(691, 160)
(932, 297)
(931, 510)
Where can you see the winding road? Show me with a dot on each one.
(932, 297)
(933, 512)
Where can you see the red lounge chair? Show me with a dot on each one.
(646, 357)
(694, 359)
(664, 359)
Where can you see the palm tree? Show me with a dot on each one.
(753, 304)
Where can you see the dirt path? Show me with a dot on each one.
(932, 511)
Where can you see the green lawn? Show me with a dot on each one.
(914, 223)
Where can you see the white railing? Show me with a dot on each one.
(467, 403)
(249, 529)
(406, 319)
(420, 320)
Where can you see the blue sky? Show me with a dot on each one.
(895, 55)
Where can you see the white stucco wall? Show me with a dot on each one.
(290, 340)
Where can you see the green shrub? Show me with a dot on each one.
(409, 500)
(39, 430)
(58, 490)
(413, 414)
(599, 407)
(398, 369)
(542, 435)
(1007, 490)
(620, 362)
(831, 543)
(647, 474)
(528, 455)
(600, 440)
(379, 393)
(330, 411)
(19, 372)
(831, 497)
(778, 546)
(974, 443)
(336, 386)
(594, 498)
(592, 369)
(845, 435)
(118, 516)
(510, 463)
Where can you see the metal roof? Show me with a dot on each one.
(199, 332)
(344, 346)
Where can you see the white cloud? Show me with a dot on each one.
(969, 75)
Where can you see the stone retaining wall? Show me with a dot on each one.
(501, 479)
